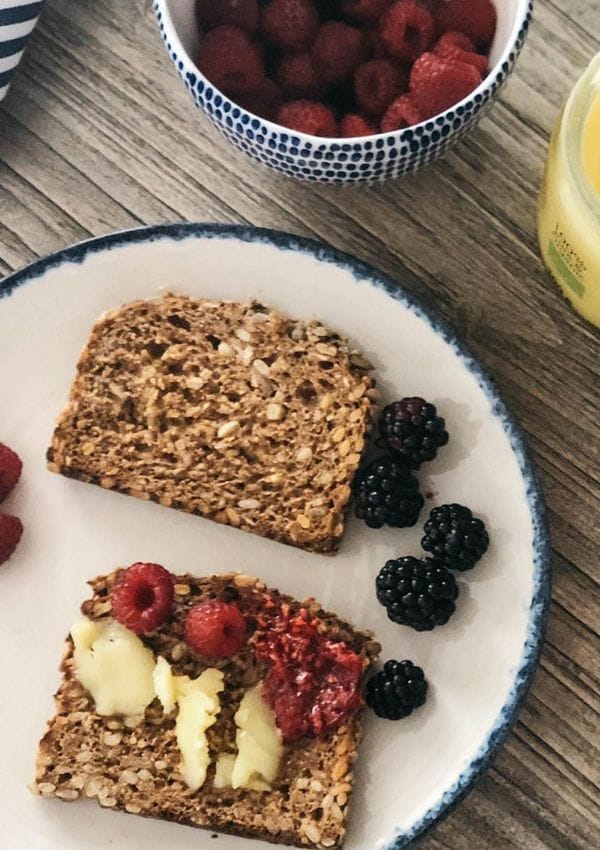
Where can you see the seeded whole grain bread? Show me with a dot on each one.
(226, 410)
(136, 767)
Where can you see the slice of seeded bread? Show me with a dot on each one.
(136, 768)
(226, 410)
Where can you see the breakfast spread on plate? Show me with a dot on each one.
(192, 699)
(346, 67)
(230, 411)
(215, 702)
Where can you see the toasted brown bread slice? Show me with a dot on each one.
(226, 410)
(136, 768)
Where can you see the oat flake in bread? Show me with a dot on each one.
(229, 411)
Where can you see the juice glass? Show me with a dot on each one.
(569, 208)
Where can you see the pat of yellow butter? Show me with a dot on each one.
(199, 706)
(258, 742)
(114, 665)
(224, 770)
(164, 684)
(123, 677)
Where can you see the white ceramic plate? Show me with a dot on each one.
(410, 773)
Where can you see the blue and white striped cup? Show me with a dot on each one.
(17, 20)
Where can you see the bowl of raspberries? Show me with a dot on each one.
(344, 91)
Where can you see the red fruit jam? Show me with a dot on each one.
(313, 685)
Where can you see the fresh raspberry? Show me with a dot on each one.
(239, 13)
(403, 112)
(475, 18)
(263, 101)
(476, 60)
(231, 60)
(11, 529)
(142, 597)
(356, 125)
(338, 50)
(216, 629)
(455, 40)
(437, 84)
(458, 48)
(10, 470)
(407, 29)
(377, 83)
(313, 684)
(290, 24)
(297, 76)
(365, 10)
(308, 116)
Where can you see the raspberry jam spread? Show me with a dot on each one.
(313, 684)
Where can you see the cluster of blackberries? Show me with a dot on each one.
(421, 592)
(386, 491)
(416, 592)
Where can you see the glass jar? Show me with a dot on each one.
(569, 209)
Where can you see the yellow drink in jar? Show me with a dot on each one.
(590, 146)
(569, 210)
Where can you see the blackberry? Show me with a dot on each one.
(396, 690)
(387, 494)
(412, 429)
(455, 537)
(417, 593)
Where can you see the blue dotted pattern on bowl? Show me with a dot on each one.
(368, 160)
(538, 612)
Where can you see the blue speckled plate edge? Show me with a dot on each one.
(538, 612)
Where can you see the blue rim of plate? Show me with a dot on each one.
(540, 600)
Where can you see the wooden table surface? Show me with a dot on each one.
(98, 134)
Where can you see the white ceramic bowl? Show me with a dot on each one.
(359, 160)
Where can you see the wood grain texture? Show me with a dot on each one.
(97, 134)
